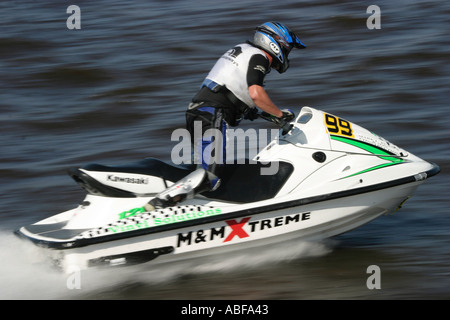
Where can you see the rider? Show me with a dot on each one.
(230, 92)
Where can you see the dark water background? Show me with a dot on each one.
(114, 91)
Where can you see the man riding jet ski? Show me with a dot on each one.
(231, 91)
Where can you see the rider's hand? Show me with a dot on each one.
(288, 115)
(284, 122)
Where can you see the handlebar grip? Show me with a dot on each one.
(282, 124)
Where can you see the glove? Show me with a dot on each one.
(288, 115)
(284, 122)
(286, 118)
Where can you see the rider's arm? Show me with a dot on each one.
(257, 70)
(263, 101)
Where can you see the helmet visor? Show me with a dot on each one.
(294, 42)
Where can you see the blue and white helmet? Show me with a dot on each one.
(277, 40)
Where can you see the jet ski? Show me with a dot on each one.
(320, 177)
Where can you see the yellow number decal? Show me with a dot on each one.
(338, 126)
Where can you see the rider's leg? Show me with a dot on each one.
(209, 148)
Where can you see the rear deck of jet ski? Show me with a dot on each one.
(238, 180)
(149, 166)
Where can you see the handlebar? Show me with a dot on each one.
(282, 124)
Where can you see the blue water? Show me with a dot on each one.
(114, 91)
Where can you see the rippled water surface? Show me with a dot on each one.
(114, 91)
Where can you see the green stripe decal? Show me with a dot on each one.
(382, 154)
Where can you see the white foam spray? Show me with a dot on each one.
(25, 272)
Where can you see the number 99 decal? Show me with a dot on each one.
(338, 126)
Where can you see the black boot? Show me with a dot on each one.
(196, 182)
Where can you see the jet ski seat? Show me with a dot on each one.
(244, 183)
(148, 166)
(239, 182)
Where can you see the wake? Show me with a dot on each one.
(26, 273)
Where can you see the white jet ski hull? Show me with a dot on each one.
(310, 222)
(331, 176)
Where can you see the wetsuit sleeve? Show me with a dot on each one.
(257, 68)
